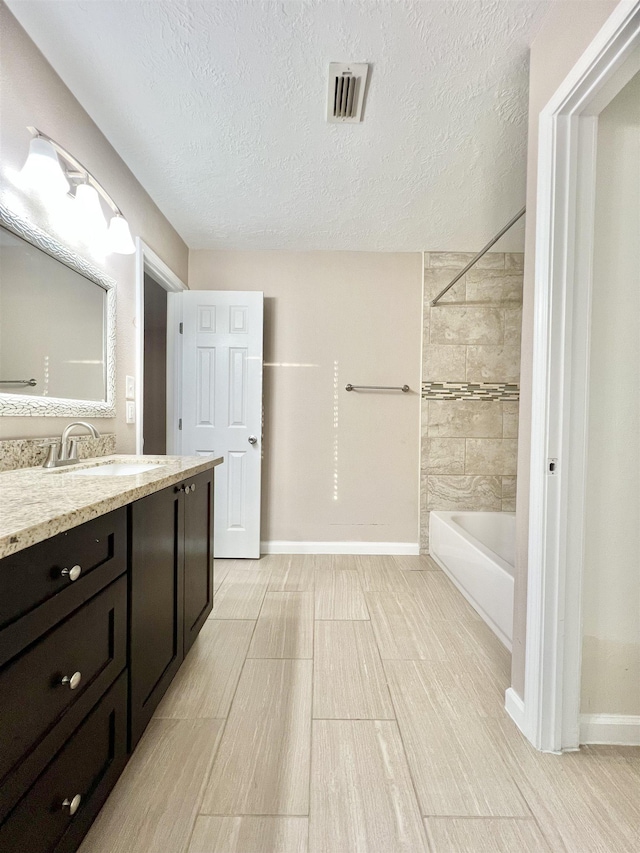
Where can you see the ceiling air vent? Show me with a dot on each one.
(347, 82)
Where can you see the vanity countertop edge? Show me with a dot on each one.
(36, 504)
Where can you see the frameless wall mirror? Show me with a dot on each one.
(57, 329)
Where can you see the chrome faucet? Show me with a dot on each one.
(66, 451)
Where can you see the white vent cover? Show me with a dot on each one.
(345, 98)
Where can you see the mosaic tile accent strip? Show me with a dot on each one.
(503, 391)
(27, 453)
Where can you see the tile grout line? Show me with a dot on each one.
(224, 728)
(205, 781)
(404, 748)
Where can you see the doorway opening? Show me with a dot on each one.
(154, 400)
(157, 356)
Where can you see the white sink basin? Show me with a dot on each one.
(115, 469)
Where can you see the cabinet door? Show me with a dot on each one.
(198, 555)
(157, 599)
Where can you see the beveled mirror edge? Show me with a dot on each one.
(24, 405)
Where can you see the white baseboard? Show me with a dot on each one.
(514, 707)
(613, 729)
(382, 548)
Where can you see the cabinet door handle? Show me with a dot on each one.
(181, 488)
(72, 804)
(72, 681)
(73, 573)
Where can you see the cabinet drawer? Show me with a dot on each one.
(89, 645)
(36, 590)
(87, 765)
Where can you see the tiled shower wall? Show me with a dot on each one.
(469, 446)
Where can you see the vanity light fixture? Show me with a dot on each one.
(89, 210)
(119, 236)
(42, 169)
(54, 171)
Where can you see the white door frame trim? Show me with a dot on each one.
(564, 249)
(148, 261)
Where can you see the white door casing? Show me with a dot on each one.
(222, 407)
(549, 712)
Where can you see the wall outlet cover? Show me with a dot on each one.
(130, 387)
(131, 412)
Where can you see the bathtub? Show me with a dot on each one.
(477, 550)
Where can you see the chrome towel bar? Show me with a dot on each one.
(403, 388)
(31, 382)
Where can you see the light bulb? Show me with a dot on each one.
(120, 239)
(42, 170)
(89, 212)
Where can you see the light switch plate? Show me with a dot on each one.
(131, 412)
(130, 386)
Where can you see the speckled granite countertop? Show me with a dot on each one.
(35, 503)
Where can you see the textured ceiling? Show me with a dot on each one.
(219, 109)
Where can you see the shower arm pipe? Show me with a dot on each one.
(76, 171)
(477, 257)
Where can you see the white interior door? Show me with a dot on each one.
(222, 407)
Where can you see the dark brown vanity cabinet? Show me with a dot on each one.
(171, 587)
(94, 624)
(63, 656)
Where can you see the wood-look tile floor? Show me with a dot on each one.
(355, 705)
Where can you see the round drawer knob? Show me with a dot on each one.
(193, 487)
(72, 681)
(73, 573)
(73, 805)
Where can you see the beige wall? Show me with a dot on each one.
(32, 94)
(338, 466)
(567, 32)
(469, 447)
(611, 598)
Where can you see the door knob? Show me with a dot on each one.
(252, 439)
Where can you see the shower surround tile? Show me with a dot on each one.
(445, 455)
(514, 261)
(454, 261)
(508, 494)
(482, 493)
(436, 280)
(513, 327)
(491, 455)
(466, 324)
(469, 446)
(493, 363)
(510, 420)
(446, 362)
(494, 286)
(464, 419)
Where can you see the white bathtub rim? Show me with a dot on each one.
(506, 642)
(447, 517)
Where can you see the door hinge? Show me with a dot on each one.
(181, 327)
(179, 423)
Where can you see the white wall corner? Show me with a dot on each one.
(405, 549)
(612, 729)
